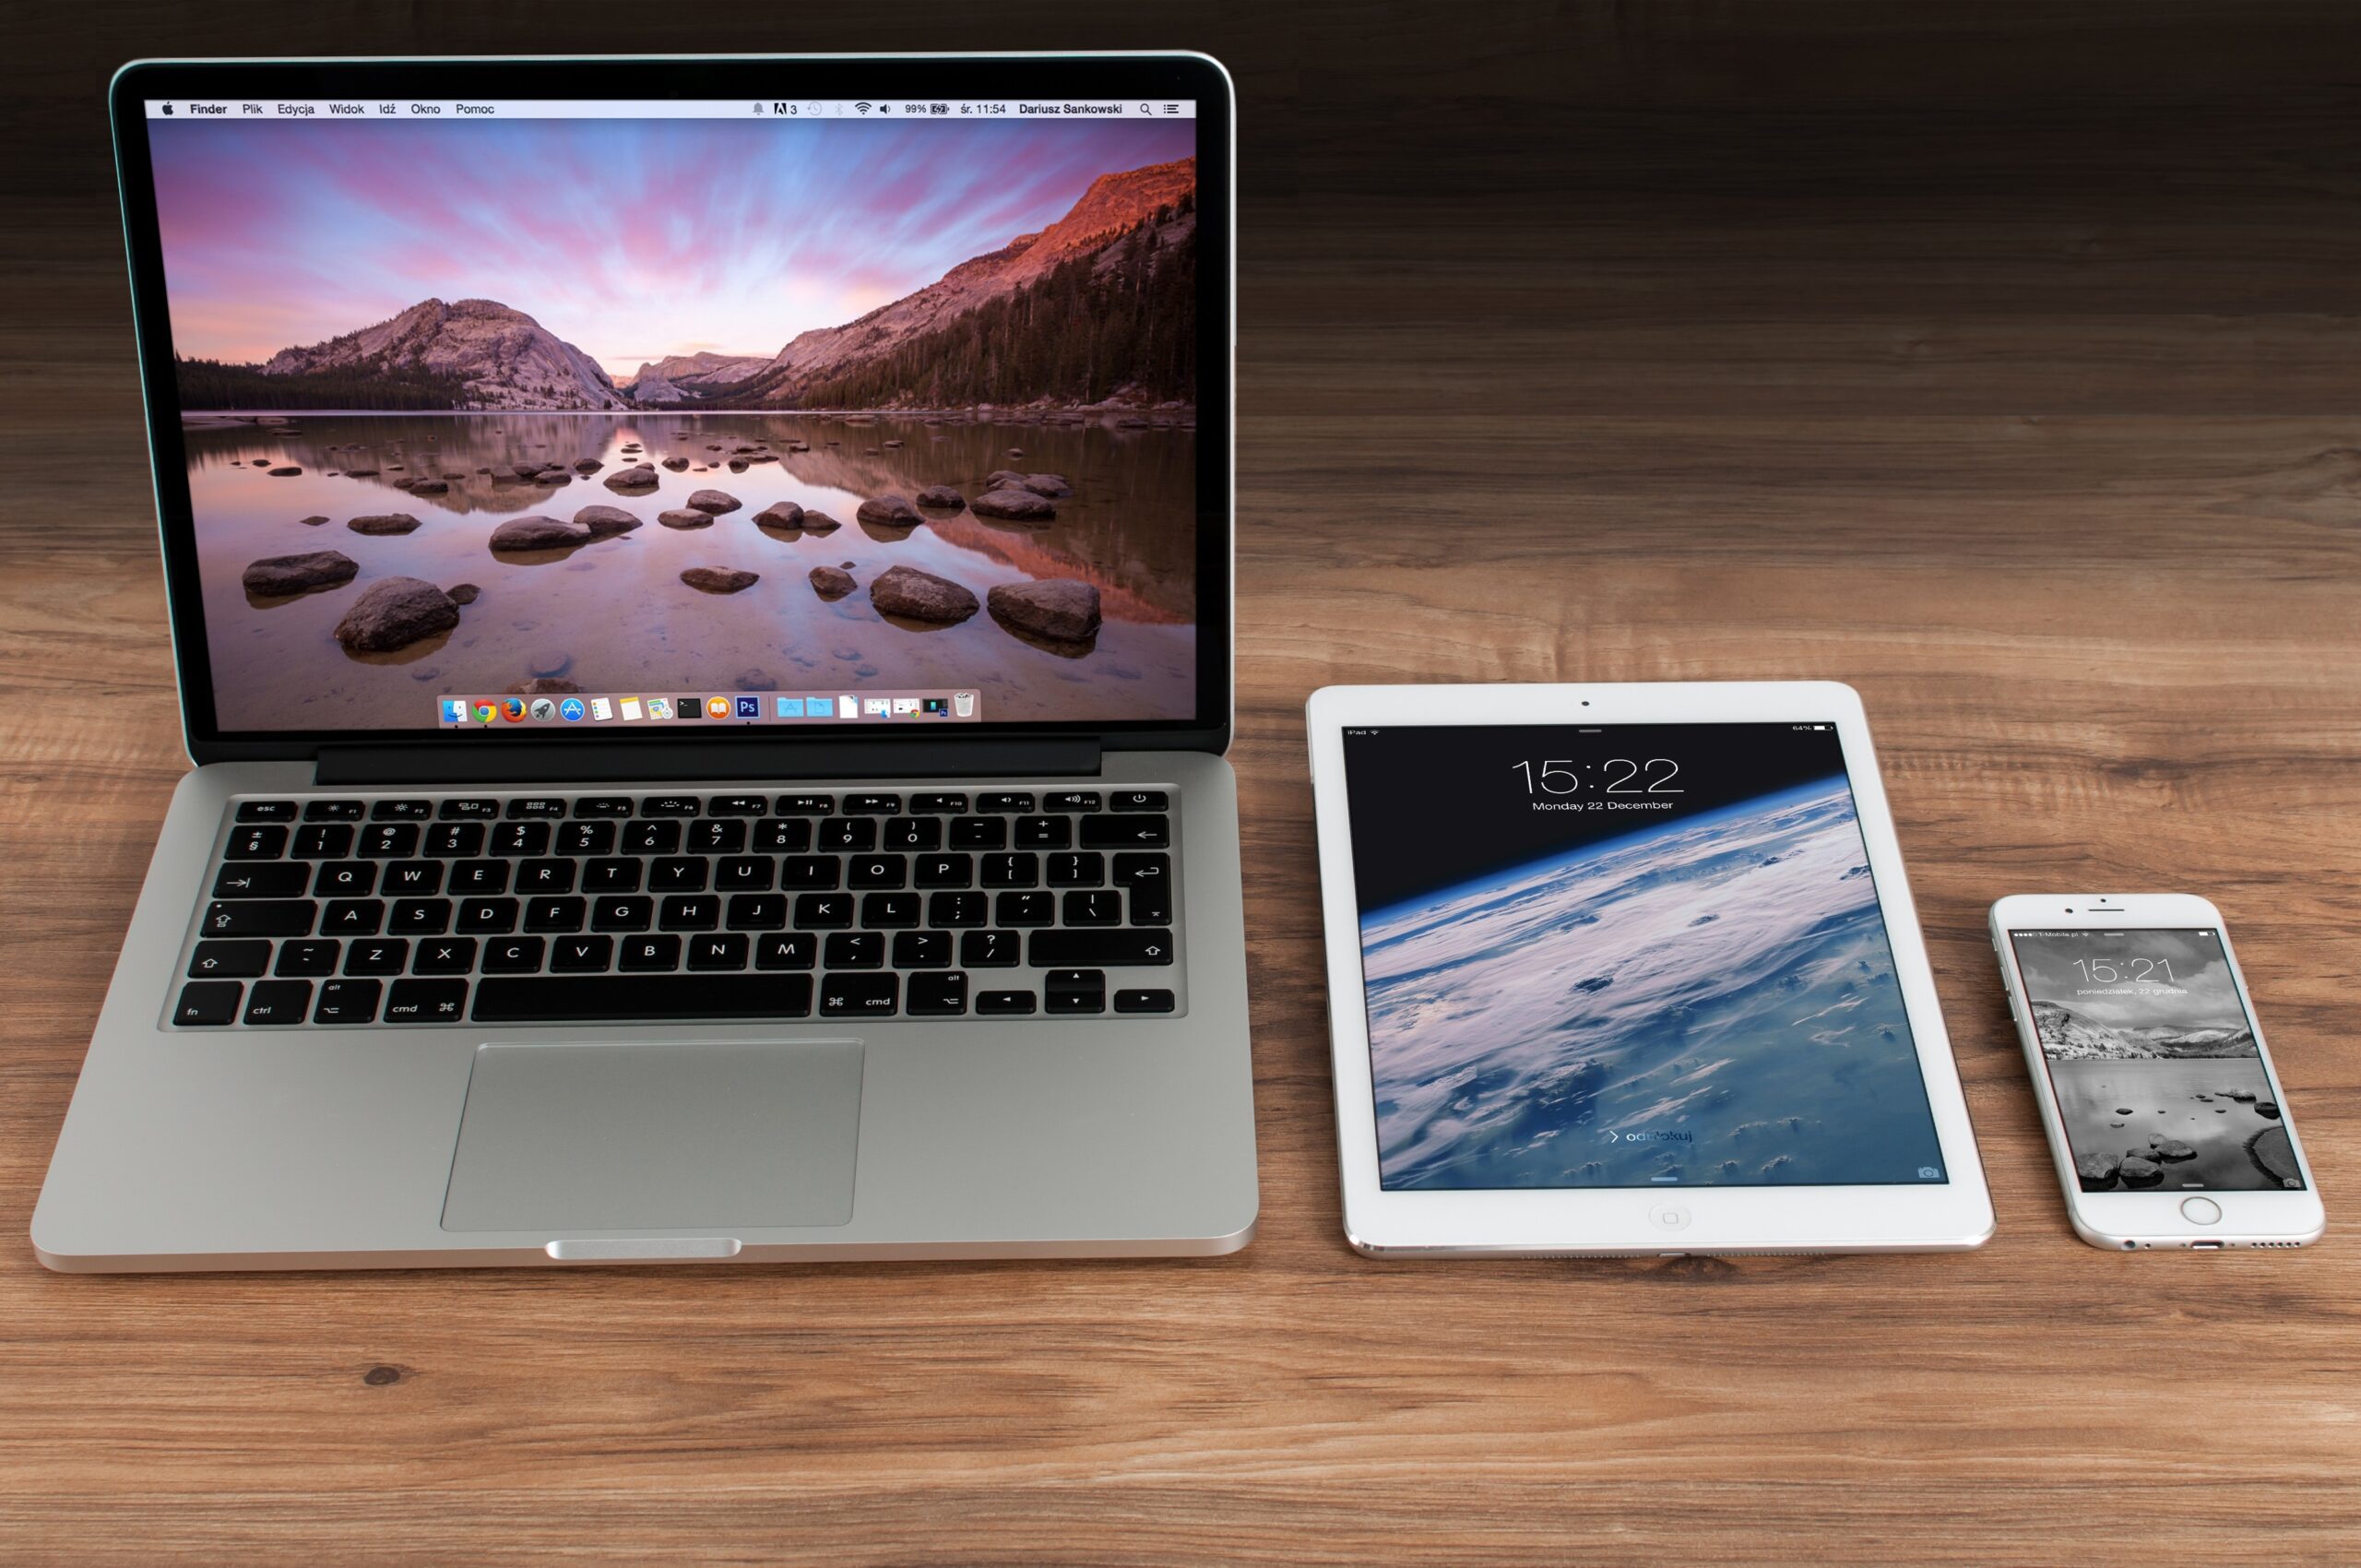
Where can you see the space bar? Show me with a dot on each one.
(533, 998)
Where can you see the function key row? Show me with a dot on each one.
(859, 804)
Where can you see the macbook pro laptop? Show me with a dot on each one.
(702, 598)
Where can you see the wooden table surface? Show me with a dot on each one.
(2003, 361)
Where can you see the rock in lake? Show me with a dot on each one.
(891, 443)
(715, 501)
(430, 487)
(2173, 1148)
(921, 596)
(755, 681)
(2097, 1169)
(395, 612)
(360, 473)
(683, 518)
(463, 593)
(285, 470)
(942, 496)
(780, 514)
(553, 477)
(540, 686)
(1014, 503)
(720, 579)
(676, 464)
(2266, 1107)
(605, 522)
(2139, 1172)
(537, 532)
(403, 483)
(1016, 451)
(830, 582)
(1054, 486)
(384, 522)
(641, 477)
(315, 520)
(1005, 478)
(1062, 611)
(820, 522)
(889, 512)
(276, 575)
(588, 465)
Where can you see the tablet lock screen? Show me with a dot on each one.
(1627, 955)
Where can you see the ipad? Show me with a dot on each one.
(1629, 969)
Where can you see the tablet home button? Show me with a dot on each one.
(2201, 1211)
(1668, 1217)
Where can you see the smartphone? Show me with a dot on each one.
(2163, 1111)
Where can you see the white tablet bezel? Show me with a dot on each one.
(1622, 1220)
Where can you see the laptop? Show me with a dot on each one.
(701, 591)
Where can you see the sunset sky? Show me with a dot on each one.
(630, 239)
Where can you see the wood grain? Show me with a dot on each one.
(1997, 359)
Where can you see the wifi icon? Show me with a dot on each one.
(862, 107)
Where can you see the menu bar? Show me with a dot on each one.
(738, 707)
(671, 109)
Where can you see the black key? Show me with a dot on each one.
(1133, 871)
(737, 806)
(645, 953)
(322, 841)
(680, 874)
(420, 916)
(718, 836)
(1020, 868)
(1143, 1000)
(230, 960)
(352, 916)
(940, 802)
(888, 911)
(939, 995)
(521, 838)
(402, 810)
(990, 949)
(266, 810)
(877, 871)
(630, 913)
(488, 917)
(1105, 949)
(1095, 906)
(782, 836)
(282, 880)
(1139, 801)
(922, 949)
(1028, 909)
(477, 810)
(652, 839)
(413, 879)
(314, 956)
(427, 1002)
(255, 844)
(445, 955)
(388, 841)
(452, 839)
(1071, 801)
(1126, 833)
(786, 950)
(561, 913)
(1077, 868)
(848, 833)
(1004, 1004)
(757, 911)
(823, 912)
(333, 811)
(874, 803)
(602, 805)
(859, 996)
(259, 916)
(581, 954)
(589, 999)
(583, 839)
(344, 879)
(545, 876)
(855, 950)
(695, 911)
(543, 807)
(611, 876)
(979, 832)
(1151, 903)
(726, 951)
(745, 874)
(1075, 990)
(809, 870)
(914, 833)
(482, 876)
(208, 1001)
(805, 805)
(348, 1002)
(669, 805)
(377, 956)
(512, 956)
(1044, 832)
(958, 909)
(1004, 801)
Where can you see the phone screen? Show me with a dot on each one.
(2153, 1058)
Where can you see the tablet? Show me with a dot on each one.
(1629, 969)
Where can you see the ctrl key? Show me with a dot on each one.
(208, 1001)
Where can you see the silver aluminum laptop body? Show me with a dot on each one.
(267, 1088)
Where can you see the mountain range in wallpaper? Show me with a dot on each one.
(2068, 1035)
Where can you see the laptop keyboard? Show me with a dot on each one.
(610, 907)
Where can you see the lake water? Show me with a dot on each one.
(613, 616)
(2113, 1108)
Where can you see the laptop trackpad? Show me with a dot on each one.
(578, 1138)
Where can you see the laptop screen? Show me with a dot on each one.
(531, 416)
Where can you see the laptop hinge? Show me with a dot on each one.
(529, 764)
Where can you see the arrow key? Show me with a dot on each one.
(229, 960)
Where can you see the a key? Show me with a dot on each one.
(1095, 906)
(1077, 868)
(545, 806)
(1140, 801)
(488, 917)
(854, 950)
(1019, 868)
(858, 995)
(689, 911)
(420, 916)
(445, 955)
(322, 841)
(1004, 1004)
(581, 954)
(258, 917)
(647, 953)
(877, 871)
(1004, 801)
(266, 810)
(756, 911)
(848, 833)
(334, 811)
(602, 805)
(913, 833)
(652, 839)
(943, 870)
(989, 949)
(745, 874)
(583, 839)
(786, 950)
(1143, 1000)
(512, 956)
(660, 998)
(922, 949)
(632, 913)
(562, 914)
(280, 881)
(817, 911)
(401, 811)
(1073, 991)
(1127, 946)
(611, 876)
(312, 957)
(352, 916)
(347, 1002)
(712, 836)
(723, 950)
(958, 909)
(888, 911)
(426, 1001)
(979, 832)
(940, 993)
(1149, 877)
(452, 840)
(872, 804)
(1044, 832)
(804, 805)
(469, 809)
(1025, 908)
(412, 879)
(482, 876)
(679, 873)
(377, 956)
(737, 806)
(941, 801)
(545, 876)
(388, 841)
(208, 1002)
(1071, 801)
(809, 870)
(255, 844)
(1126, 832)
(669, 805)
(782, 836)
(521, 838)
(229, 960)
(344, 879)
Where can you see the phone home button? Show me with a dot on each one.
(1668, 1217)
(2201, 1211)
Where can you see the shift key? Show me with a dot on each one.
(259, 916)
(1098, 948)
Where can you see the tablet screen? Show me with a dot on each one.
(1628, 955)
